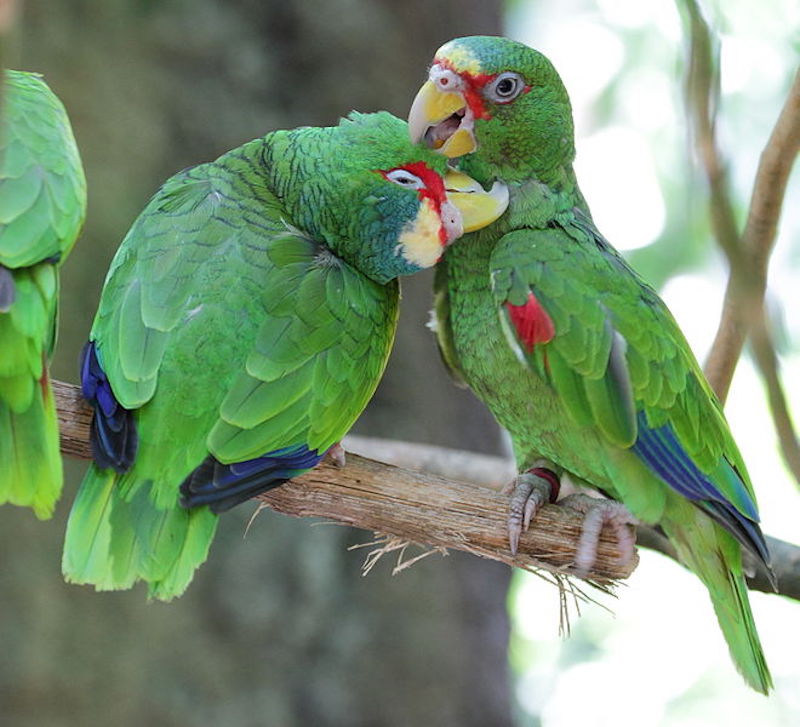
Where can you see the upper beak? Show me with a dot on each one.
(432, 106)
(478, 207)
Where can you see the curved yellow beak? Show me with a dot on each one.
(478, 207)
(430, 108)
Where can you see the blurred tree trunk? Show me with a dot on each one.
(279, 628)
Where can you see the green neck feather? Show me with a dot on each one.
(329, 182)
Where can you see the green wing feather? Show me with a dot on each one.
(42, 207)
(230, 333)
(617, 350)
(442, 325)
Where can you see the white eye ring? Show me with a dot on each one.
(505, 88)
(405, 179)
(445, 79)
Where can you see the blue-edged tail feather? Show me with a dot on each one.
(660, 449)
(222, 486)
(114, 439)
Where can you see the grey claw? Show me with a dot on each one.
(337, 455)
(597, 512)
(529, 491)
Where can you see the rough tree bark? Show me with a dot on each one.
(281, 629)
(444, 499)
(409, 505)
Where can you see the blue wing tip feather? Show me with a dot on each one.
(222, 486)
(8, 291)
(113, 436)
(660, 449)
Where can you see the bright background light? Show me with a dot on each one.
(658, 657)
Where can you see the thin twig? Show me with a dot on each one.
(769, 366)
(702, 93)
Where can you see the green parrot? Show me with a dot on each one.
(576, 355)
(244, 324)
(42, 208)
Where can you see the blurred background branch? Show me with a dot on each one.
(9, 15)
(748, 252)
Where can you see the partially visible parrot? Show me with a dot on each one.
(576, 355)
(244, 325)
(42, 208)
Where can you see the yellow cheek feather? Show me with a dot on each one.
(460, 57)
(420, 244)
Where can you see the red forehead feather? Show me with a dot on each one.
(434, 184)
(473, 83)
(433, 191)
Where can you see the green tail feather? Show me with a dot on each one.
(736, 620)
(87, 544)
(116, 536)
(202, 525)
(718, 564)
(31, 474)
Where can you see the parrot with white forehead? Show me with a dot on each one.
(576, 355)
(243, 326)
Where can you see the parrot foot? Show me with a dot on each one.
(597, 512)
(336, 455)
(529, 491)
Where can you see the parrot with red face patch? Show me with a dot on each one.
(243, 326)
(42, 208)
(573, 352)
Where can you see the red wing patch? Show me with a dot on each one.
(531, 322)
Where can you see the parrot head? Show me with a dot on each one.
(499, 99)
(389, 207)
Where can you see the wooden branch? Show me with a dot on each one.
(702, 91)
(422, 508)
(744, 295)
(9, 16)
(785, 559)
(74, 420)
(748, 253)
(769, 367)
(433, 508)
(785, 556)
(769, 188)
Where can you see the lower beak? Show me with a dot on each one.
(432, 107)
(478, 207)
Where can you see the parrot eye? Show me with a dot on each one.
(505, 88)
(405, 179)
